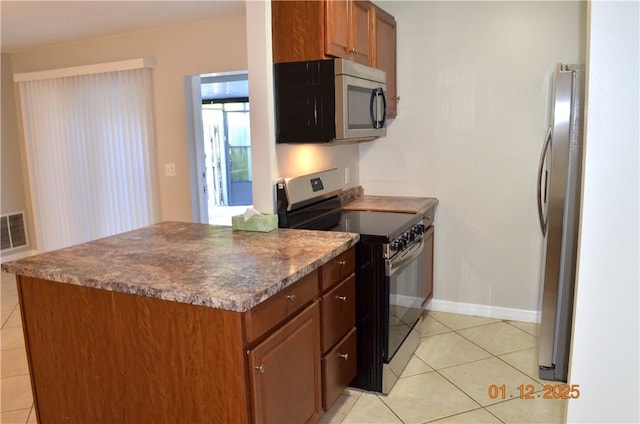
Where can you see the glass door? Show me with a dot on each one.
(238, 147)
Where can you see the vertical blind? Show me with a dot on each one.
(90, 153)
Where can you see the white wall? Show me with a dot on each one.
(296, 160)
(13, 190)
(260, 60)
(473, 81)
(605, 358)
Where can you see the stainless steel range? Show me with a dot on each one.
(389, 258)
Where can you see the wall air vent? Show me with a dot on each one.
(13, 231)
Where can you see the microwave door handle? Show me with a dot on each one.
(384, 108)
(374, 108)
(371, 108)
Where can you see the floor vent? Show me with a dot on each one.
(13, 231)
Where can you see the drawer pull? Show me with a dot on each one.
(343, 298)
(292, 297)
(345, 356)
(260, 368)
(342, 263)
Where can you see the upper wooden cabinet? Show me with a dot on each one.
(385, 56)
(311, 30)
(354, 30)
(349, 30)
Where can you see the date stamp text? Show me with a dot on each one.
(528, 391)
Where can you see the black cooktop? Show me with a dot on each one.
(387, 225)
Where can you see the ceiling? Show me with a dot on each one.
(30, 24)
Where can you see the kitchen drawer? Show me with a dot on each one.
(268, 314)
(338, 369)
(337, 269)
(337, 312)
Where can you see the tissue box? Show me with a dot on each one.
(262, 223)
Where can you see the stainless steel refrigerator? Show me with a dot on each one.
(559, 187)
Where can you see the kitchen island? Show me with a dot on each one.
(182, 322)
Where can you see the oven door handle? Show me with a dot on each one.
(414, 252)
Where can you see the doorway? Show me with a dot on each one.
(228, 151)
(221, 146)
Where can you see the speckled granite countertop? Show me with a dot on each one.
(191, 263)
(391, 204)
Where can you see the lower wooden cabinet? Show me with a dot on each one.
(338, 332)
(102, 356)
(97, 356)
(69, 343)
(338, 369)
(426, 289)
(285, 372)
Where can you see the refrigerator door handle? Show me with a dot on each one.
(543, 155)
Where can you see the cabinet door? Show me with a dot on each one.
(337, 23)
(296, 29)
(285, 372)
(385, 56)
(362, 24)
(426, 290)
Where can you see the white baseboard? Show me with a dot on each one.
(488, 311)
(16, 256)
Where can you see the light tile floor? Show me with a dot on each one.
(447, 380)
(15, 386)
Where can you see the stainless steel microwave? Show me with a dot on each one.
(328, 101)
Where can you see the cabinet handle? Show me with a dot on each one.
(343, 298)
(345, 356)
(292, 297)
(342, 263)
(260, 368)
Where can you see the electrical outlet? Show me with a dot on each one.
(170, 169)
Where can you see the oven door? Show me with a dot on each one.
(403, 277)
